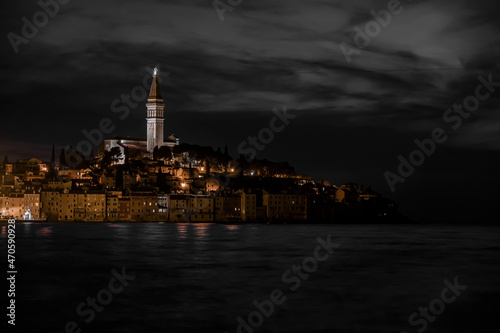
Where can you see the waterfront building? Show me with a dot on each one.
(178, 207)
(228, 208)
(285, 206)
(20, 205)
(94, 203)
(112, 208)
(144, 206)
(201, 208)
(69, 208)
(50, 204)
(124, 209)
(248, 206)
(163, 207)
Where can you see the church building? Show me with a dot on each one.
(143, 147)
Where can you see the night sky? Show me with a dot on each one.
(221, 80)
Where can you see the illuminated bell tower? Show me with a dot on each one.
(155, 118)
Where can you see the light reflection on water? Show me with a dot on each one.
(232, 227)
(201, 230)
(182, 230)
(45, 231)
(201, 277)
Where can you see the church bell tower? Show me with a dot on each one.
(155, 118)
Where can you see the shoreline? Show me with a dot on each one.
(344, 223)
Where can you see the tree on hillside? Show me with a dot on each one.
(51, 174)
(111, 156)
(62, 158)
(207, 167)
(155, 153)
(226, 158)
(52, 156)
(165, 152)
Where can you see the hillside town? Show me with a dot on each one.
(187, 184)
(160, 179)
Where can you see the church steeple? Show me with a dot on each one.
(155, 91)
(154, 118)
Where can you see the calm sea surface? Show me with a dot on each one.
(202, 277)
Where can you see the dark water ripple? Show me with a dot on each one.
(201, 277)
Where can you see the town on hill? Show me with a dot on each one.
(156, 179)
(188, 184)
